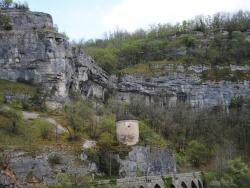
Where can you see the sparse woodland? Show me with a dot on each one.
(217, 40)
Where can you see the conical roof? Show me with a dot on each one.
(126, 116)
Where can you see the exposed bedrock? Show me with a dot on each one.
(34, 49)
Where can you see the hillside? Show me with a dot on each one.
(188, 85)
(206, 59)
(216, 40)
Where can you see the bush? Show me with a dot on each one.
(167, 181)
(45, 129)
(14, 118)
(26, 104)
(6, 22)
(23, 6)
(148, 136)
(6, 3)
(55, 158)
(92, 155)
(139, 173)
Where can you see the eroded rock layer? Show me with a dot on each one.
(34, 49)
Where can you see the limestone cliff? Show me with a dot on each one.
(34, 49)
(34, 169)
(178, 85)
(147, 161)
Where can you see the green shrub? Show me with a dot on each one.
(14, 117)
(16, 104)
(92, 155)
(148, 136)
(45, 129)
(6, 22)
(181, 158)
(55, 158)
(26, 105)
(167, 181)
(139, 173)
(113, 182)
(23, 6)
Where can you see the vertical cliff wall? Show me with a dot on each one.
(34, 49)
(166, 90)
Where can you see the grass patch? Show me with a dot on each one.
(225, 74)
(29, 136)
(147, 69)
(47, 30)
(106, 178)
(7, 86)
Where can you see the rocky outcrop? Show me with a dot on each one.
(34, 49)
(32, 168)
(147, 161)
(178, 85)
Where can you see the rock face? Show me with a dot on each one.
(166, 90)
(31, 169)
(33, 49)
(148, 161)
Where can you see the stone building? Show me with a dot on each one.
(127, 129)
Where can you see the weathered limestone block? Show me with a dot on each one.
(148, 160)
(166, 89)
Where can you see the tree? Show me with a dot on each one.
(6, 3)
(19, 5)
(239, 47)
(196, 151)
(236, 103)
(74, 119)
(189, 41)
(107, 162)
(38, 100)
(80, 117)
(14, 117)
(239, 172)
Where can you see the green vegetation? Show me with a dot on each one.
(6, 22)
(167, 182)
(235, 174)
(14, 118)
(55, 158)
(206, 138)
(139, 173)
(149, 137)
(26, 134)
(217, 40)
(7, 86)
(6, 3)
(45, 129)
(72, 181)
(12, 4)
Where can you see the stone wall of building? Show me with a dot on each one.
(127, 131)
